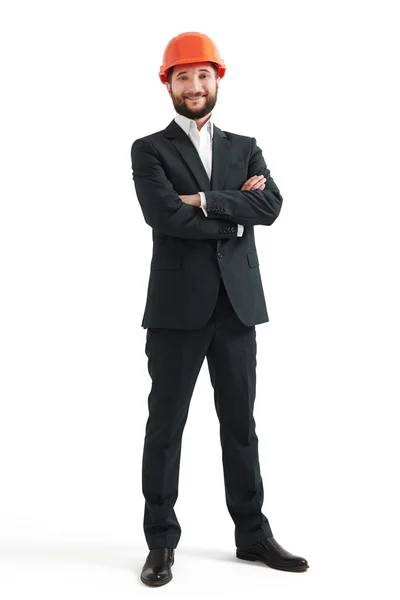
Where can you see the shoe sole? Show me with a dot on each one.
(155, 583)
(254, 558)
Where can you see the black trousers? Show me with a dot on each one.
(175, 357)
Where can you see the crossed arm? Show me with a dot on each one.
(248, 205)
(161, 205)
(165, 211)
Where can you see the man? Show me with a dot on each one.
(202, 190)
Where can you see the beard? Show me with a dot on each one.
(182, 107)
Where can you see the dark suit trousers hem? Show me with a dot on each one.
(175, 357)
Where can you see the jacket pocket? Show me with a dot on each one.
(252, 258)
(237, 164)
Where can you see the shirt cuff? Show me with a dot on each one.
(203, 203)
(240, 230)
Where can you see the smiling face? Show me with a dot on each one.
(193, 88)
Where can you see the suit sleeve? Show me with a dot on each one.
(162, 208)
(203, 204)
(249, 207)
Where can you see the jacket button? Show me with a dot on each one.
(220, 255)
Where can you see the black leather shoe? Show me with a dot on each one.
(272, 554)
(157, 568)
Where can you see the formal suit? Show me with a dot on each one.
(204, 298)
(190, 251)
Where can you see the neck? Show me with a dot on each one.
(202, 121)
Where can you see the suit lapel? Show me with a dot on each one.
(221, 148)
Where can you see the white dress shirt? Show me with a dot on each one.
(202, 141)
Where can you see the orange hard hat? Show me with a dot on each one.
(190, 47)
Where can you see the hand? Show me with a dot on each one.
(193, 199)
(254, 183)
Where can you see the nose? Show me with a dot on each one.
(195, 87)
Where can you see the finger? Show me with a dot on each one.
(254, 180)
(260, 182)
(257, 179)
(251, 180)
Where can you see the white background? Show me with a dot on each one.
(317, 84)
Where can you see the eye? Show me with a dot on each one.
(184, 76)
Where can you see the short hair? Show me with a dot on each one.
(170, 71)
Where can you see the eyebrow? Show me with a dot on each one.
(182, 72)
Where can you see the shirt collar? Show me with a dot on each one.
(187, 124)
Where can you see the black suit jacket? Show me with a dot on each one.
(191, 251)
